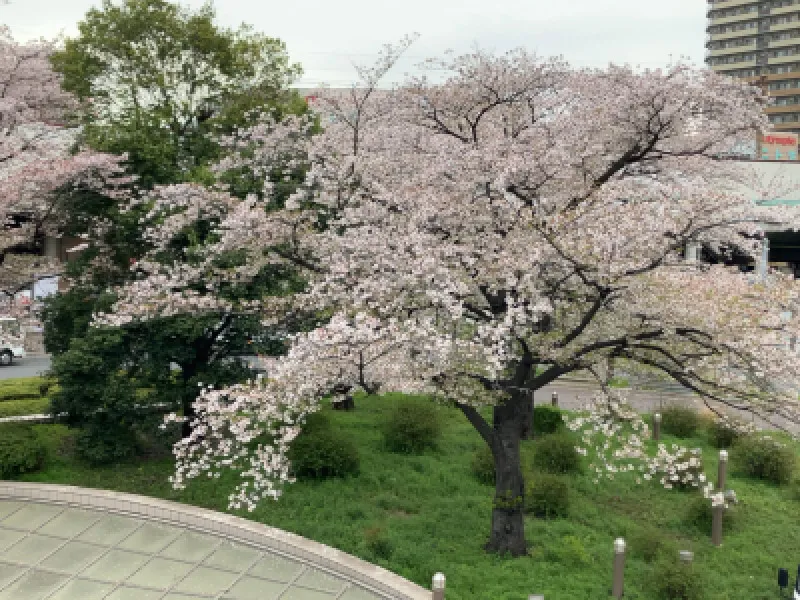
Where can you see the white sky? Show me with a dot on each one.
(327, 36)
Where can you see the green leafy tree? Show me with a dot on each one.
(157, 78)
(163, 85)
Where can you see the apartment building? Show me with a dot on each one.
(759, 41)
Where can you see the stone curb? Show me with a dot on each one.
(345, 566)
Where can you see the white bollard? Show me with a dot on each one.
(438, 586)
(619, 568)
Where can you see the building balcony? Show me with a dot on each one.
(737, 49)
(734, 18)
(731, 66)
(783, 10)
(715, 37)
(730, 4)
(784, 26)
(785, 108)
(780, 60)
(792, 41)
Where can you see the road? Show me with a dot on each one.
(571, 394)
(30, 366)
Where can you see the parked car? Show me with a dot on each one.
(12, 340)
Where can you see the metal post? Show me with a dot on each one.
(619, 568)
(722, 470)
(657, 426)
(438, 586)
(554, 399)
(716, 525)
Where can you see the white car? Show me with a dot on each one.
(11, 341)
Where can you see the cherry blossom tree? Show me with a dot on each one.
(36, 160)
(483, 236)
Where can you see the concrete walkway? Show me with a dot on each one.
(67, 543)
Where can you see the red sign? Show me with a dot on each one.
(780, 141)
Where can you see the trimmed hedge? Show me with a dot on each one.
(32, 406)
(680, 421)
(412, 426)
(320, 451)
(20, 450)
(546, 496)
(556, 454)
(762, 457)
(547, 419)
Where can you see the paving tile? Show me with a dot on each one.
(205, 580)
(32, 549)
(115, 566)
(296, 593)
(131, 593)
(355, 593)
(319, 580)
(9, 537)
(7, 507)
(31, 516)
(7, 574)
(276, 568)
(73, 558)
(233, 557)
(250, 588)
(80, 589)
(70, 523)
(150, 538)
(160, 573)
(190, 546)
(184, 597)
(34, 585)
(109, 530)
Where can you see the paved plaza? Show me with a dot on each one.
(65, 553)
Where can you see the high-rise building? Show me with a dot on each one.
(759, 41)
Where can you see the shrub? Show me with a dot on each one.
(31, 406)
(546, 496)
(99, 445)
(699, 515)
(649, 543)
(762, 457)
(321, 453)
(547, 419)
(20, 450)
(482, 465)
(724, 431)
(677, 581)
(680, 421)
(378, 542)
(412, 426)
(569, 551)
(556, 453)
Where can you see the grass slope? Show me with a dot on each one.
(437, 518)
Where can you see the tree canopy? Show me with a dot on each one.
(157, 77)
(487, 235)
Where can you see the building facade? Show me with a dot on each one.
(759, 41)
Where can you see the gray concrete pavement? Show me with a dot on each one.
(30, 366)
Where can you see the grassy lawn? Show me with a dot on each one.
(437, 518)
(22, 396)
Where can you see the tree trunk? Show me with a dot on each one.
(508, 524)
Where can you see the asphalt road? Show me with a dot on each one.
(30, 366)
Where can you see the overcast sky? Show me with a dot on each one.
(327, 36)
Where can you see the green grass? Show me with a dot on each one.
(21, 388)
(437, 518)
(31, 406)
